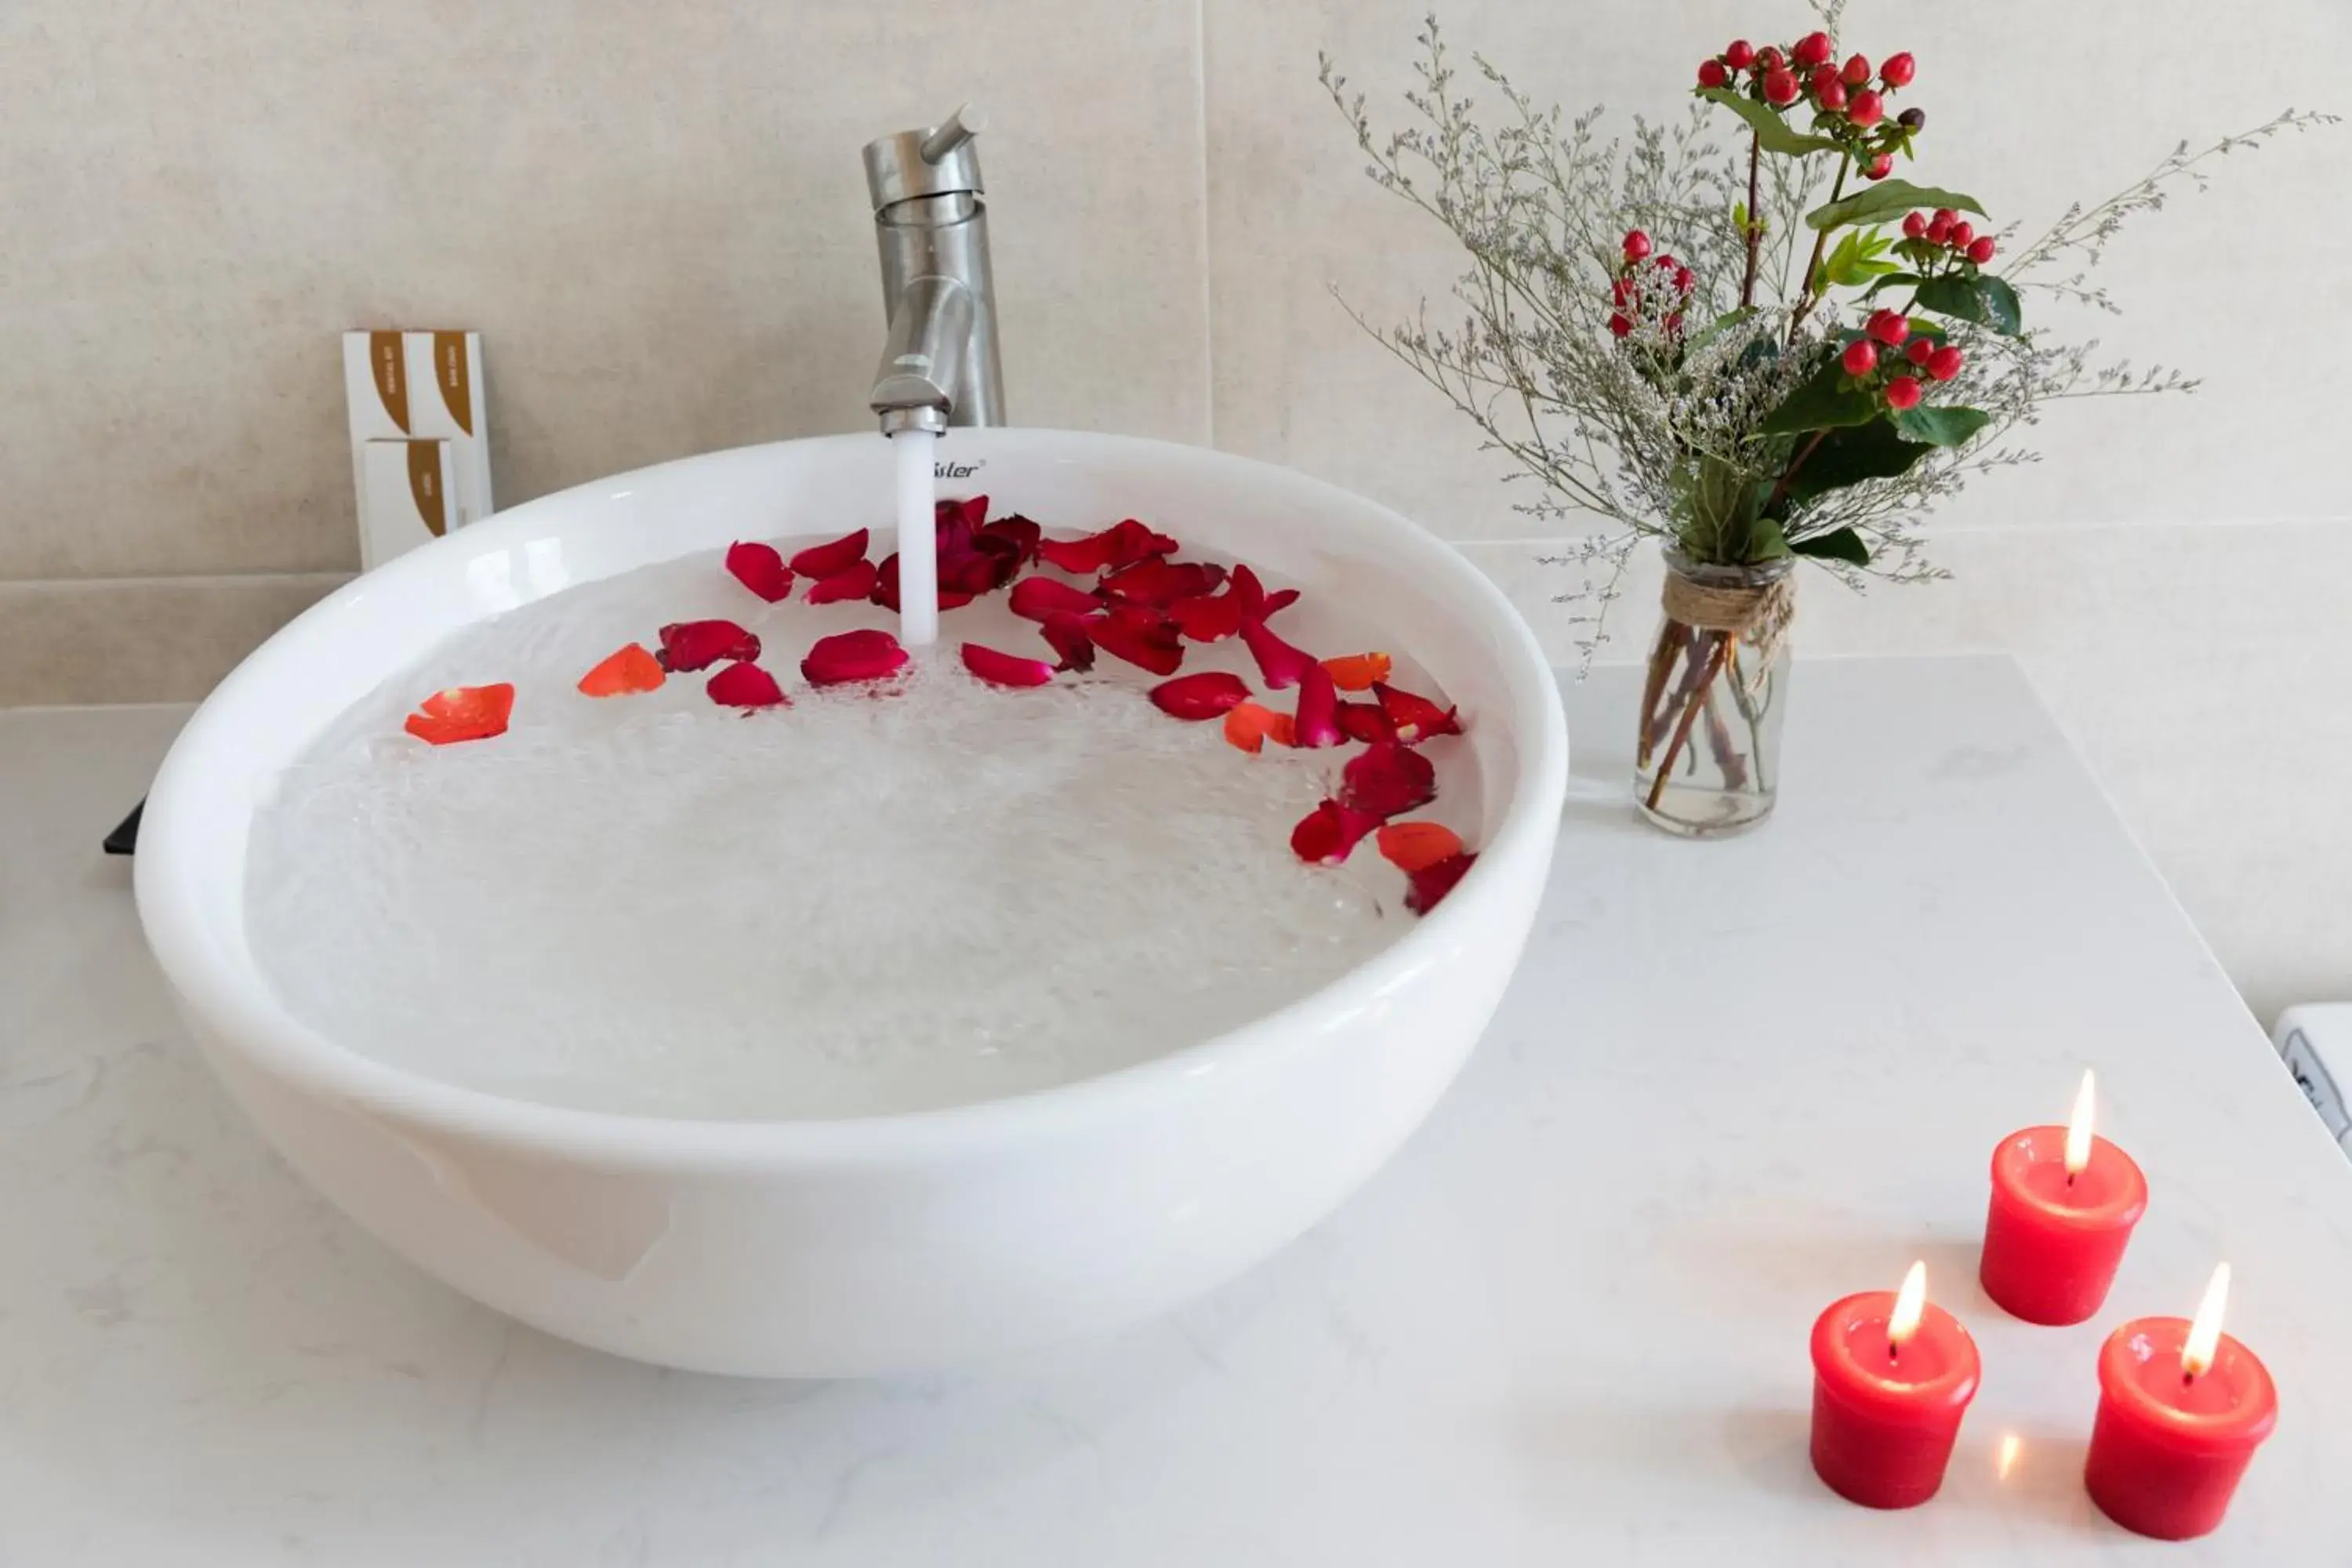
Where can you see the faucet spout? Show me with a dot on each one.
(923, 357)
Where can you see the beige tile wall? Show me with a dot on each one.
(656, 216)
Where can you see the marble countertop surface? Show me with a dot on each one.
(1566, 1325)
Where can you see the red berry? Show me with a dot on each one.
(1712, 73)
(1812, 49)
(1740, 55)
(1828, 91)
(1770, 60)
(1674, 322)
(1939, 228)
(1857, 72)
(1919, 351)
(1960, 235)
(1915, 225)
(1944, 363)
(1860, 358)
(1980, 251)
(1637, 245)
(1620, 325)
(1881, 166)
(1684, 279)
(1903, 392)
(1622, 293)
(1867, 108)
(1898, 70)
(1946, 216)
(1780, 88)
(1888, 328)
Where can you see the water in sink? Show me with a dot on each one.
(868, 902)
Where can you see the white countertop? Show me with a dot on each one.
(1566, 1325)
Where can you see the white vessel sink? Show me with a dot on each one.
(827, 1248)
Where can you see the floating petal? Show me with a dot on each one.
(855, 581)
(632, 669)
(1329, 833)
(1121, 544)
(1143, 637)
(463, 713)
(1415, 718)
(1413, 846)
(832, 559)
(1217, 616)
(1365, 722)
(1282, 665)
(1318, 708)
(1196, 697)
(1036, 598)
(1004, 669)
(1017, 531)
(1249, 725)
(758, 568)
(885, 588)
(698, 644)
(1160, 582)
(1072, 640)
(1358, 671)
(746, 686)
(1387, 779)
(852, 656)
(1433, 881)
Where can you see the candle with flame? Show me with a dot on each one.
(2182, 1406)
(1893, 1374)
(2063, 1204)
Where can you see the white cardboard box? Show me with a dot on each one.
(405, 497)
(405, 386)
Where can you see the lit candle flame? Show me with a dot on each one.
(2078, 1130)
(2012, 1444)
(2205, 1329)
(1909, 1303)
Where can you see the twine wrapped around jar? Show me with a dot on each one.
(1759, 616)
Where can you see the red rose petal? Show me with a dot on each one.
(1413, 846)
(852, 656)
(1071, 639)
(1036, 598)
(698, 644)
(958, 521)
(1415, 718)
(1433, 881)
(1195, 698)
(462, 713)
(832, 560)
(1279, 601)
(1160, 582)
(1004, 669)
(1143, 637)
(1281, 664)
(631, 670)
(855, 581)
(746, 686)
(1365, 722)
(758, 568)
(885, 588)
(1318, 708)
(1019, 532)
(1329, 833)
(1121, 544)
(1387, 780)
(1215, 617)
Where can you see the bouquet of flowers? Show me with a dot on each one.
(1756, 352)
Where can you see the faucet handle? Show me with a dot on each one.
(959, 127)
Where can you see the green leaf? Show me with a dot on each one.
(1892, 280)
(1988, 301)
(1855, 260)
(1719, 326)
(1766, 541)
(1888, 198)
(1821, 402)
(1848, 456)
(1940, 427)
(1772, 131)
(1838, 544)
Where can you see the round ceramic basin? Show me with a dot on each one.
(886, 1243)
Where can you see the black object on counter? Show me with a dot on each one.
(124, 839)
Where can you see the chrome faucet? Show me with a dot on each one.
(939, 364)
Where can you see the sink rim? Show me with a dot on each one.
(231, 1007)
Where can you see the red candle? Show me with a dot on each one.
(2063, 1204)
(2182, 1407)
(1892, 1376)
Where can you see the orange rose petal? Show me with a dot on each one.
(1358, 671)
(632, 669)
(1247, 724)
(462, 713)
(1413, 846)
(1283, 731)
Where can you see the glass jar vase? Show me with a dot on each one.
(1707, 759)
